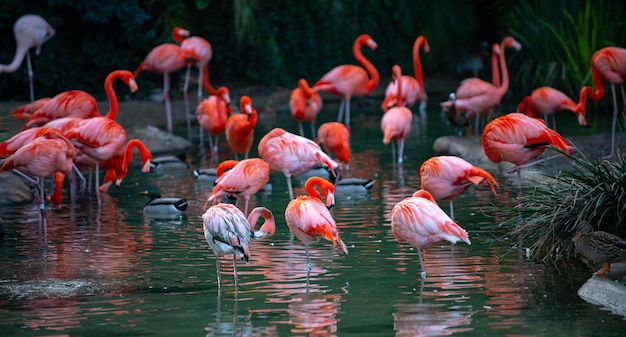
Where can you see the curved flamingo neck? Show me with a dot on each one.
(417, 66)
(144, 154)
(179, 34)
(505, 72)
(326, 189)
(108, 88)
(397, 74)
(523, 105)
(225, 166)
(20, 53)
(598, 82)
(205, 81)
(495, 69)
(269, 224)
(581, 106)
(369, 67)
(306, 89)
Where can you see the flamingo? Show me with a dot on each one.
(77, 103)
(195, 51)
(163, 59)
(212, 114)
(348, 80)
(228, 231)
(412, 87)
(293, 155)
(609, 64)
(240, 127)
(334, 137)
(43, 156)
(309, 219)
(481, 97)
(304, 105)
(26, 110)
(100, 138)
(549, 101)
(419, 221)
(446, 177)
(517, 138)
(396, 122)
(244, 179)
(30, 31)
(118, 164)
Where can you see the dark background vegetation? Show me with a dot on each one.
(273, 43)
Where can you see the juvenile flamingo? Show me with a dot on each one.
(212, 114)
(419, 221)
(304, 105)
(348, 80)
(518, 139)
(483, 96)
(77, 103)
(334, 137)
(240, 127)
(163, 59)
(396, 122)
(227, 231)
(549, 101)
(30, 31)
(446, 177)
(609, 64)
(293, 155)
(242, 180)
(309, 219)
(412, 87)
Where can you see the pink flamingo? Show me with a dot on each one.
(518, 139)
(227, 231)
(195, 51)
(446, 177)
(163, 59)
(609, 64)
(293, 155)
(412, 87)
(240, 127)
(43, 156)
(419, 221)
(77, 103)
(212, 114)
(309, 219)
(348, 80)
(549, 101)
(334, 137)
(118, 164)
(242, 180)
(396, 122)
(304, 105)
(99, 138)
(30, 31)
(26, 111)
(483, 96)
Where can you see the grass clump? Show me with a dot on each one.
(593, 191)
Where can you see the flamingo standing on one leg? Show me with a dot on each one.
(518, 139)
(335, 137)
(240, 127)
(480, 97)
(293, 155)
(41, 158)
(412, 87)
(446, 177)
(163, 59)
(609, 64)
(419, 221)
(309, 219)
(227, 231)
(304, 105)
(30, 31)
(77, 103)
(348, 80)
(549, 101)
(396, 122)
(212, 114)
(242, 180)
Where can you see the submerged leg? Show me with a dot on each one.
(166, 99)
(419, 254)
(308, 258)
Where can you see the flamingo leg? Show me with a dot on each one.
(300, 129)
(400, 151)
(553, 122)
(201, 136)
(98, 194)
(215, 148)
(219, 272)
(340, 114)
(393, 153)
(419, 254)
(452, 209)
(246, 207)
(347, 107)
(166, 99)
(289, 187)
(235, 271)
(83, 181)
(308, 258)
(312, 130)
(30, 77)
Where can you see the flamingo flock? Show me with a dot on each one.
(66, 134)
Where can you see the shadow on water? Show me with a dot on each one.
(114, 271)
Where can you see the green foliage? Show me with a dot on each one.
(589, 191)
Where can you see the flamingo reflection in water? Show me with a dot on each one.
(429, 319)
(228, 231)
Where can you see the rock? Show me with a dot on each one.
(15, 190)
(608, 290)
(158, 141)
(468, 148)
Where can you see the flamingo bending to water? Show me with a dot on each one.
(334, 137)
(549, 101)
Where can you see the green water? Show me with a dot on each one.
(137, 276)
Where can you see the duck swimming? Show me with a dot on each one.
(158, 205)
